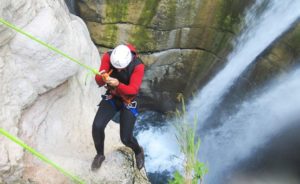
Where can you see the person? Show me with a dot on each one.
(122, 72)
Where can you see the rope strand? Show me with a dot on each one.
(50, 47)
(40, 156)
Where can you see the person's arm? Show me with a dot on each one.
(135, 82)
(105, 66)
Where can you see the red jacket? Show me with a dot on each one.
(135, 79)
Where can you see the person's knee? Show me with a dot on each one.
(99, 126)
(125, 140)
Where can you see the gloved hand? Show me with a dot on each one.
(105, 75)
(113, 82)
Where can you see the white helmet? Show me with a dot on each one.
(120, 57)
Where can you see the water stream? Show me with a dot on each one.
(262, 31)
(257, 120)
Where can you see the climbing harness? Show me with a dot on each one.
(132, 106)
(109, 98)
(128, 102)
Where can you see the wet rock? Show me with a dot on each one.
(196, 35)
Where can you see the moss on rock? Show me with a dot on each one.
(216, 24)
(148, 12)
(199, 30)
(116, 10)
(103, 34)
(142, 38)
(229, 14)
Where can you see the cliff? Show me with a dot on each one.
(45, 101)
(181, 42)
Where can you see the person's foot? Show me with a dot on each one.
(140, 159)
(97, 162)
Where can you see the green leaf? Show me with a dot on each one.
(178, 179)
(200, 170)
(189, 144)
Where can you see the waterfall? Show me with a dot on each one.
(258, 120)
(262, 31)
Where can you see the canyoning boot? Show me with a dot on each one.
(140, 159)
(97, 162)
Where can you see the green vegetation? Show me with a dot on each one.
(171, 14)
(194, 170)
(116, 10)
(111, 34)
(141, 37)
(229, 15)
(149, 11)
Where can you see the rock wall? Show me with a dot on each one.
(181, 42)
(47, 103)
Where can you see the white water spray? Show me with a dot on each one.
(276, 19)
(161, 149)
(257, 121)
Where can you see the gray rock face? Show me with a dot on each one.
(172, 75)
(45, 100)
(181, 42)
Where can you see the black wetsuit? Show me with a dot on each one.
(105, 113)
(109, 107)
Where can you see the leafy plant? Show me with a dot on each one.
(189, 144)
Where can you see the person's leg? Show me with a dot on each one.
(127, 121)
(104, 114)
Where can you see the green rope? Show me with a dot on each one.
(18, 141)
(95, 71)
(40, 156)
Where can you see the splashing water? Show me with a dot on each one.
(249, 128)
